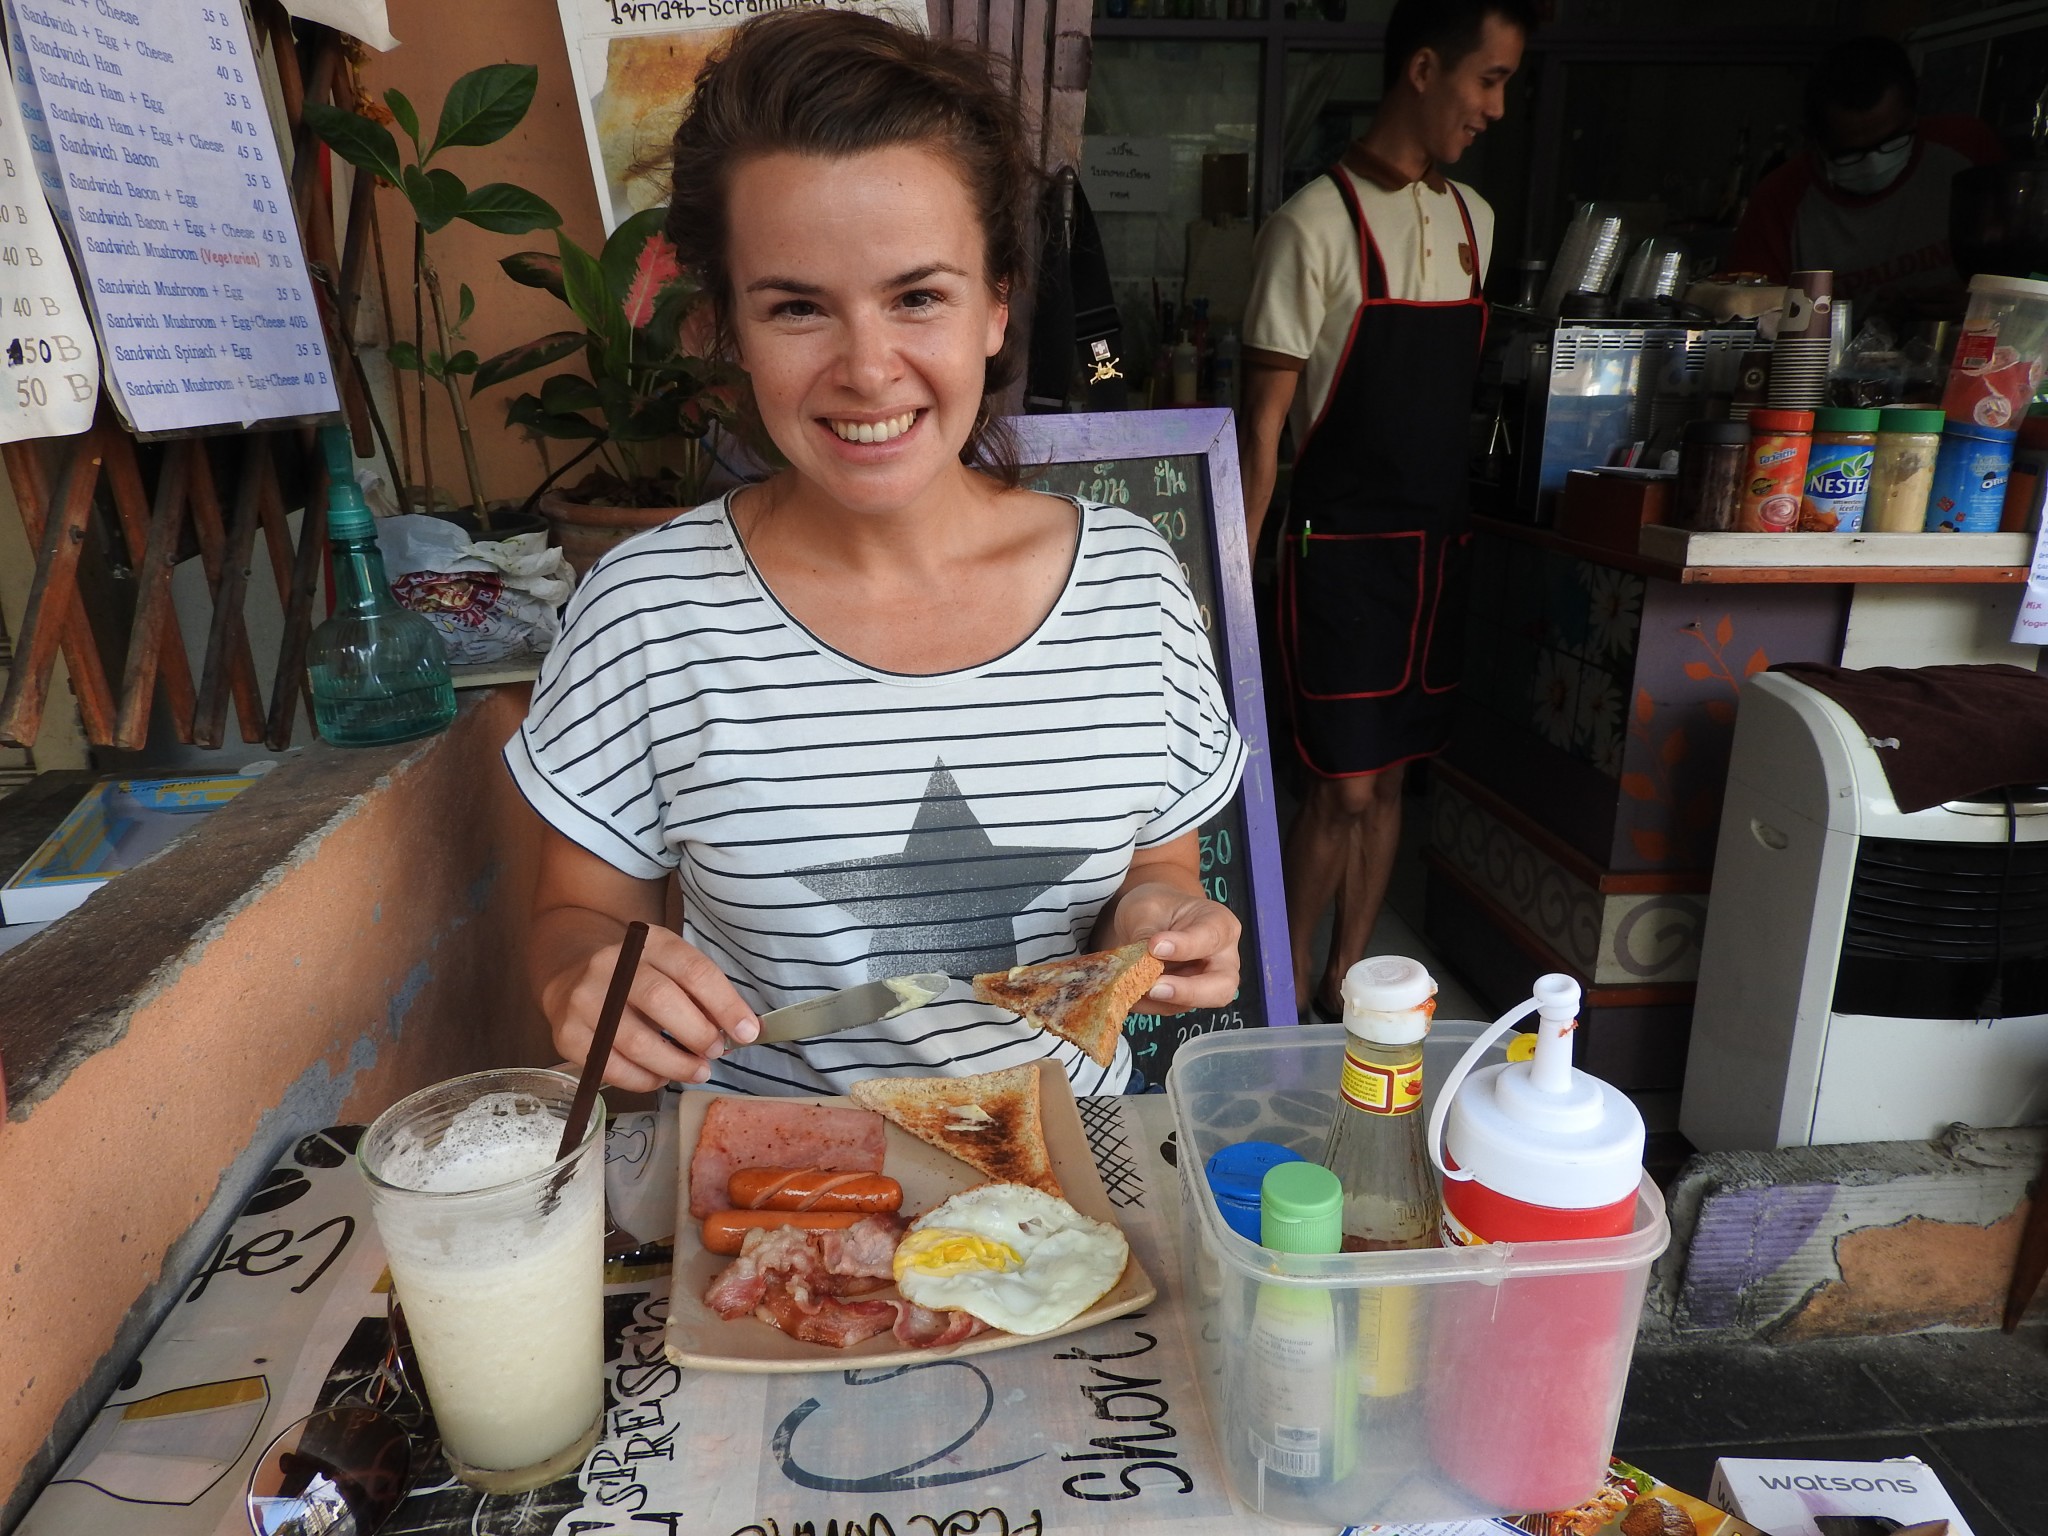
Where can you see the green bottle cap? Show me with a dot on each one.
(1301, 1209)
(348, 515)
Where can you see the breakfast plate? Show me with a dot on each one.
(698, 1336)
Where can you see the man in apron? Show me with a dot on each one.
(1364, 325)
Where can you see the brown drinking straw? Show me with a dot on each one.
(601, 1042)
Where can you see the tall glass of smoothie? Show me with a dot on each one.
(497, 1252)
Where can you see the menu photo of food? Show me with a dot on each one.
(635, 63)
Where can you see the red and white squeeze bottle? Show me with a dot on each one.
(1526, 1376)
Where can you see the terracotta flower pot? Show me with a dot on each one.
(584, 533)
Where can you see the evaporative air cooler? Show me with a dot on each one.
(1866, 975)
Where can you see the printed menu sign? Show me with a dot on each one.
(635, 64)
(152, 139)
(49, 368)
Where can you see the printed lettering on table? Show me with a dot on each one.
(49, 366)
(153, 141)
(1100, 1430)
(635, 64)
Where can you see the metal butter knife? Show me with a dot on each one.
(850, 1007)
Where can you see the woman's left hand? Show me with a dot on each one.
(1196, 937)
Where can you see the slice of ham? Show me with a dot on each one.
(741, 1132)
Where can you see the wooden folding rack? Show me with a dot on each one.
(57, 482)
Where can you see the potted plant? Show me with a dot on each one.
(481, 108)
(644, 406)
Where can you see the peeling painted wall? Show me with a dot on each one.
(1842, 1241)
(379, 953)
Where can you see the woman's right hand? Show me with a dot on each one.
(681, 1015)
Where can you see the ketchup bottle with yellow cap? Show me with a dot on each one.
(1523, 1374)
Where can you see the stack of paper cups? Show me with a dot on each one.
(1801, 356)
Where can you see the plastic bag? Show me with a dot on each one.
(492, 600)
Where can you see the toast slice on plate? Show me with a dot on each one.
(990, 1121)
(1083, 998)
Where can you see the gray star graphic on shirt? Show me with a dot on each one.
(947, 902)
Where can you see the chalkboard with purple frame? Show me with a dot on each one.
(1179, 470)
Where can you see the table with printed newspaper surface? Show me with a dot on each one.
(1102, 1429)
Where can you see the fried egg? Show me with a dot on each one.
(1013, 1256)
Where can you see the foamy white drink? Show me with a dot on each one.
(501, 1276)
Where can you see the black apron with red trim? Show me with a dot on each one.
(1373, 567)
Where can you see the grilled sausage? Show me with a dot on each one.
(726, 1231)
(813, 1189)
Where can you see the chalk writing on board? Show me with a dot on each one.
(157, 154)
(1172, 494)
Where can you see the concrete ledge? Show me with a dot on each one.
(346, 930)
(1845, 1241)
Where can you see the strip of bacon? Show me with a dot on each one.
(921, 1328)
(827, 1320)
(798, 1281)
(865, 1250)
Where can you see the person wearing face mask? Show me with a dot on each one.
(1869, 202)
(1363, 329)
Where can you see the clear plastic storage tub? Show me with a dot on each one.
(1501, 1368)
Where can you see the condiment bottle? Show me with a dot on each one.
(1779, 442)
(1970, 471)
(2023, 489)
(1236, 1174)
(1377, 1150)
(1712, 456)
(378, 671)
(1299, 1413)
(1902, 470)
(1838, 471)
(1186, 368)
(1533, 1151)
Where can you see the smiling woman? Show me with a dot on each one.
(884, 712)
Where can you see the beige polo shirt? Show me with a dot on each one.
(1306, 279)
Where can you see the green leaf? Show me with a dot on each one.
(536, 269)
(568, 392)
(526, 411)
(434, 366)
(363, 144)
(403, 354)
(436, 196)
(402, 109)
(507, 210)
(511, 363)
(485, 105)
(462, 362)
(622, 248)
(465, 306)
(584, 286)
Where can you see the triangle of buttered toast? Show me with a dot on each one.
(1084, 998)
(990, 1120)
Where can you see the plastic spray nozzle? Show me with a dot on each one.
(1557, 1013)
(348, 515)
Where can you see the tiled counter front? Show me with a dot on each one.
(1573, 821)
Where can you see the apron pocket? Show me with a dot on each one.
(1353, 613)
(1443, 645)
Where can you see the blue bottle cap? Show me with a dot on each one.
(1235, 1174)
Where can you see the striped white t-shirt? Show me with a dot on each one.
(832, 823)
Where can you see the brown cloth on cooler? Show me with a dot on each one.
(1943, 732)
